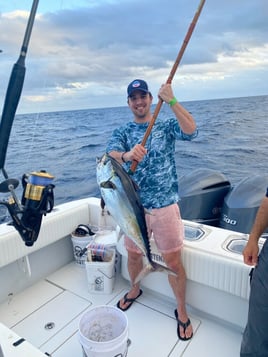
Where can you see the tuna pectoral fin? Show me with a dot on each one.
(149, 268)
(108, 184)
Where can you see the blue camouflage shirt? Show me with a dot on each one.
(156, 174)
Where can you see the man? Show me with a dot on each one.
(157, 180)
(255, 337)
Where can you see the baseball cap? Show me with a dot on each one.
(137, 84)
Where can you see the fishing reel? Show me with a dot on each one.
(37, 200)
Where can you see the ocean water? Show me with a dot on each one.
(232, 140)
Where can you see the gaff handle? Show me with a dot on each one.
(170, 78)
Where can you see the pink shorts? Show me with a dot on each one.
(167, 228)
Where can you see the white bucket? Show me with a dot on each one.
(79, 243)
(103, 332)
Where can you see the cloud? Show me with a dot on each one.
(82, 57)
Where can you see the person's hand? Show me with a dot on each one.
(137, 153)
(250, 253)
(166, 92)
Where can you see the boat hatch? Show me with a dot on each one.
(193, 233)
(237, 245)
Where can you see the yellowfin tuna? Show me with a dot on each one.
(120, 194)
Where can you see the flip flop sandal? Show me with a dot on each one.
(184, 325)
(128, 300)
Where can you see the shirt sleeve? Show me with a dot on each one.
(189, 137)
(116, 142)
(180, 135)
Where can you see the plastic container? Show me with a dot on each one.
(101, 275)
(99, 252)
(108, 236)
(103, 332)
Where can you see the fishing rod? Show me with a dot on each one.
(37, 198)
(170, 78)
(14, 90)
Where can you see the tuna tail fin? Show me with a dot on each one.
(163, 268)
(148, 268)
(153, 267)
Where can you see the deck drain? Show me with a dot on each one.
(49, 326)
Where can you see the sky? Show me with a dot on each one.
(82, 54)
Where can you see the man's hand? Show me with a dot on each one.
(251, 252)
(137, 153)
(166, 92)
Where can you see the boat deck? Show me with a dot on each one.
(60, 300)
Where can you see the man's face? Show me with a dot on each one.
(140, 103)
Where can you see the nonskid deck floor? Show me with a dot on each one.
(60, 300)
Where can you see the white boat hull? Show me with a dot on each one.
(43, 286)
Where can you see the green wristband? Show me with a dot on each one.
(173, 101)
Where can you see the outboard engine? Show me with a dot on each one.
(201, 195)
(241, 204)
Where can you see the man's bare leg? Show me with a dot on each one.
(135, 265)
(178, 284)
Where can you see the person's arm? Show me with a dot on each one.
(136, 153)
(251, 250)
(119, 156)
(185, 119)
